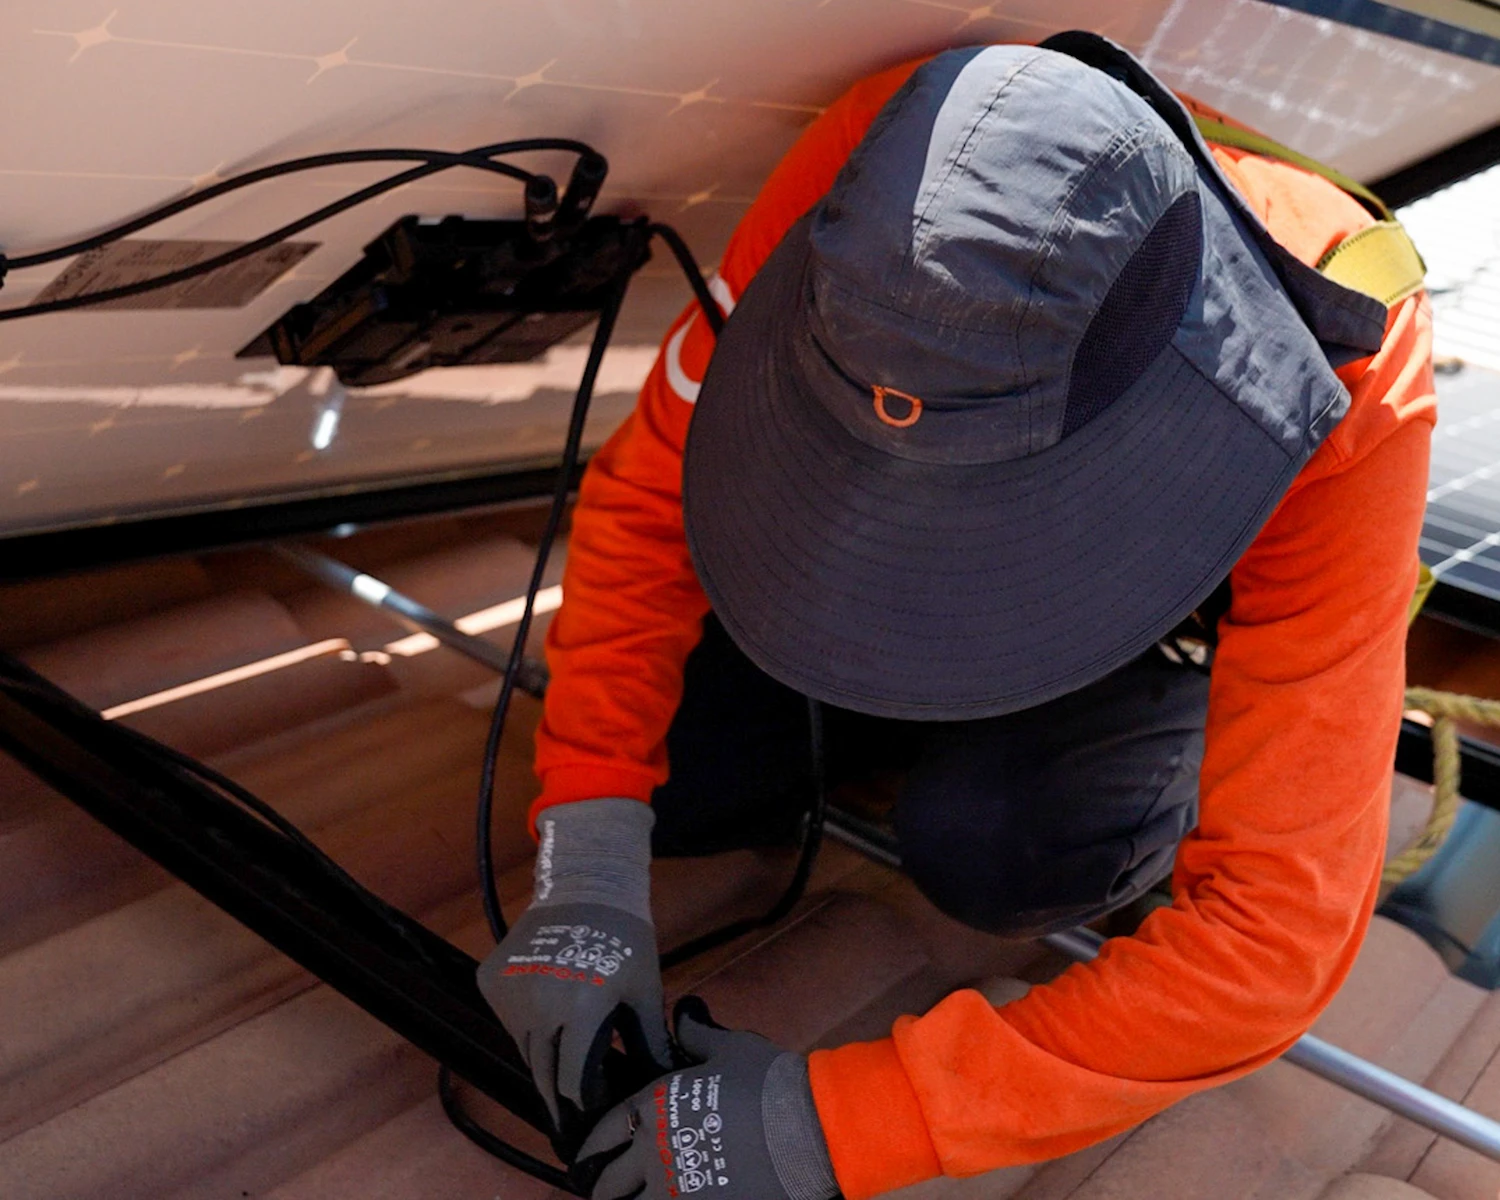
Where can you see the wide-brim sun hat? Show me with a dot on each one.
(1012, 399)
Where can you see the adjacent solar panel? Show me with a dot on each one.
(1458, 232)
(1461, 532)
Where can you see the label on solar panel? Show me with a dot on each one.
(131, 261)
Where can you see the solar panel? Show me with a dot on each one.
(1461, 531)
(1458, 232)
(112, 415)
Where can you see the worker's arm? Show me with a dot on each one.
(632, 607)
(1272, 891)
(580, 963)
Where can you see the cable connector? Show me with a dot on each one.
(541, 207)
(582, 190)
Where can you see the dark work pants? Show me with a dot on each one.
(1020, 825)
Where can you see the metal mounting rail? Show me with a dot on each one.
(215, 527)
(412, 615)
(1349, 1071)
(1480, 763)
(1353, 1074)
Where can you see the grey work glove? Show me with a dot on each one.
(739, 1126)
(581, 964)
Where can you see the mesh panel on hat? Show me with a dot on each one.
(1139, 314)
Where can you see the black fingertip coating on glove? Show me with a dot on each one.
(596, 1090)
(642, 1061)
(609, 1140)
(694, 1009)
(622, 1179)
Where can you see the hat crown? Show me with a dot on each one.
(969, 552)
(974, 235)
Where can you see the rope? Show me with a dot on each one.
(1445, 709)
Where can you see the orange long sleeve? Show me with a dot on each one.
(1274, 888)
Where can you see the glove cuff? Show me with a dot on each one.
(595, 852)
(794, 1135)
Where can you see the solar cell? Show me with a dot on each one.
(1458, 232)
(1461, 530)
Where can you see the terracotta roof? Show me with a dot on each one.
(152, 1049)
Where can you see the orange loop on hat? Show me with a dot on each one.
(880, 411)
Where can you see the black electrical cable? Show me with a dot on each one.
(813, 827)
(310, 162)
(461, 1120)
(812, 834)
(572, 447)
(95, 729)
(93, 726)
(434, 162)
(812, 840)
(174, 758)
(712, 313)
(489, 896)
(367, 900)
(224, 784)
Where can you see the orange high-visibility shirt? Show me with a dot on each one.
(1274, 888)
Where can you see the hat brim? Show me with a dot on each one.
(941, 592)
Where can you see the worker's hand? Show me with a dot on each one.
(581, 963)
(562, 982)
(739, 1126)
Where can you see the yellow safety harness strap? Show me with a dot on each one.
(1425, 580)
(1380, 261)
(1238, 138)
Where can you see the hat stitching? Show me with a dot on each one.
(1107, 449)
(989, 703)
(832, 201)
(1138, 642)
(1081, 458)
(974, 576)
(1212, 251)
(1087, 432)
(1215, 572)
(841, 283)
(1309, 447)
(942, 188)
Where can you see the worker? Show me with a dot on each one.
(1019, 372)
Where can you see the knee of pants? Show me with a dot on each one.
(1006, 859)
